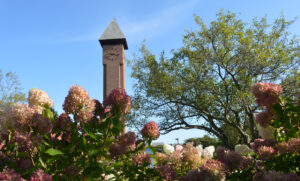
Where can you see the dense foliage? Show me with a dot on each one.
(206, 83)
(204, 141)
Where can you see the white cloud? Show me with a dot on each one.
(147, 28)
(159, 23)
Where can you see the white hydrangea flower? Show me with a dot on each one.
(108, 177)
(168, 149)
(242, 149)
(208, 152)
(266, 133)
(38, 97)
(199, 149)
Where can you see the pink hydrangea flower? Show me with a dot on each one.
(151, 131)
(212, 170)
(40, 175)
(118, 99)
(231, 159)
(266, 152)
(99, 109)
(141, 159)
(44, 125)
(246, 162)
(263, 118)
(261, 142)
(192, 175)
(10, 175)
(266, 93)
(24, 141)
(191, 156)
(179, 148)
(128, 140)
(161, 158)
(6, 120)
(294, 145)
(84, 115)
(64, 122)
(76, 99)
(167, 172)
(22, 116)
(116, 150)
(282, 147)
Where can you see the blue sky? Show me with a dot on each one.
(54, 44)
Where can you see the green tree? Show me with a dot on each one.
(205, 141)
(10, 90)
(206, 83)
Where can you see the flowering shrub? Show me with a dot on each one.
(174, 163)
(86, 142)
(276, 156)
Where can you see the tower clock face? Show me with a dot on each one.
(112, 53)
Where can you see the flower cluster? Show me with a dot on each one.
(266, 93)
(38, 98)
(167, 172)
(63, 122)
(190, 156)
(161, 159)
(183, 158)
(118, 99)
(43, 125)
(76, 99)
(261, 142)
(266, 152)
(40, 175)
(125, 142)
(242, 149)
(168, 149)
(141, 158)
(231, 159)
(264, 118)
(212, 170)
(21, 116)
(150, 131)
(10, 175)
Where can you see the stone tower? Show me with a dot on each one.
(114, 44)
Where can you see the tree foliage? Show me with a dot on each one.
(205, 141)
(206, 83)
(10, 90)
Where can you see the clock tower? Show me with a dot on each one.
(114, 44)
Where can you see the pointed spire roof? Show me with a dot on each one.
(113, 35)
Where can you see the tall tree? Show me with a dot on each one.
(206, 83)
(10, 89)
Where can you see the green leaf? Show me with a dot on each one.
(115, 131)
(93, 152)
(47, 113)
(42, 162)
(53, 152)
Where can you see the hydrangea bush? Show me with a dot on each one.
(86, 142)
(274, 156)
